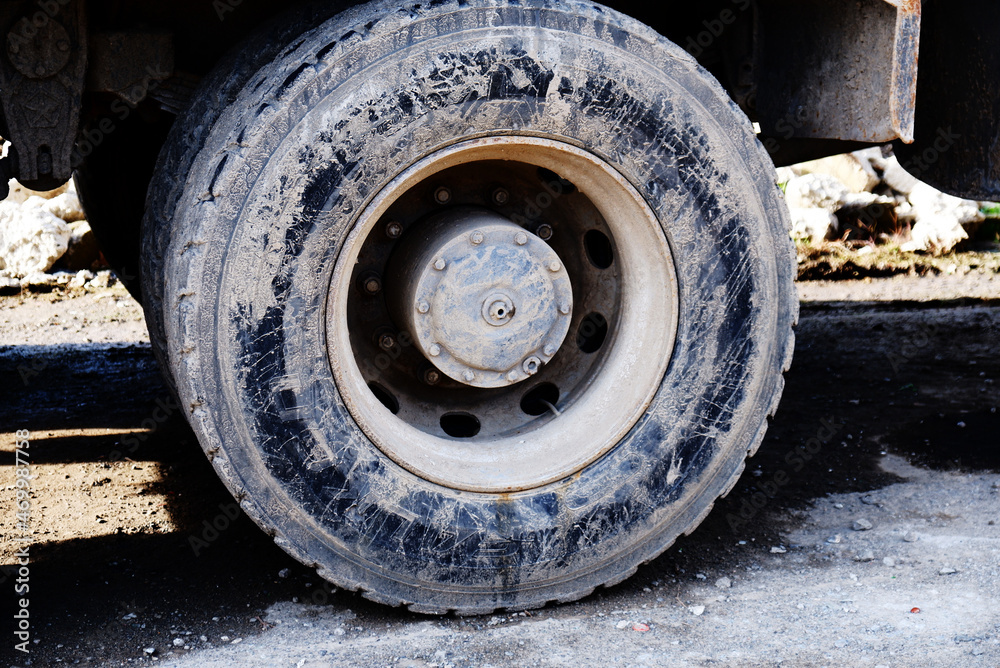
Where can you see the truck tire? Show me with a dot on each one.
(476, 304)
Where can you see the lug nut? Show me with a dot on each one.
(440, 264)
(554, 266)
(476, 238)
(423, 307)
(520, 238)
(549, 350)
(371, 283)
(386, 341)
(393, 229)
(544, 232)
(531, 365)
(501, 196)
(565, 309)
(512, 376)
(469, 376)
(442, 195)
(434, 350)
(432, 376)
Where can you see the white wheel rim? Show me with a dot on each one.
(616, 394)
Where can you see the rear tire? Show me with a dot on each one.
(286, 204)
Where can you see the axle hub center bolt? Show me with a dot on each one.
(498, 310)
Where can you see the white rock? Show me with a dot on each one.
(39, 279)
(929, 201)
(940, 218)
(36, 202)
(816, 191)
(861, 524)
(786, 174)
(813, 225)
(66, 206)
(861, 200)
(31, 240)
(696, 610)
(723, 583)
(81, 278)
(9, 285)
(19, 193)
(102, 280)
(905, 212)
(935, 234)
(894, 176)
(854, 170)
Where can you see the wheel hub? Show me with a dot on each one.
(486, 301)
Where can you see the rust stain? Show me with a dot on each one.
(903, 96)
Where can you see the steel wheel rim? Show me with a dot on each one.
(601, 407)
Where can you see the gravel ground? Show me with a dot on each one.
(876, 543)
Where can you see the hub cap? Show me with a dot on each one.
(486, 301)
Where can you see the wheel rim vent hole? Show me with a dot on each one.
(598, 248)
(540, 399)
(460, 425)
(384, 396)
(592, 332)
